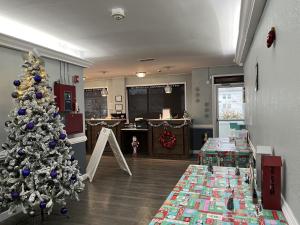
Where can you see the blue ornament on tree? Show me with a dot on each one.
(15, 94)
(15, 195)
(73, 177)
(55, 114)
(43, 205)
(53, 174)
(22, 112)
(62, 136)
(72, 158)
(21, 152)
(26, 172)
(30, 126)
(64, 210)
(17, 83)
(52, 144)
(37, 78)
(38, 95)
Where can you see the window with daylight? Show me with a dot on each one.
(149, 101)
(95, 104)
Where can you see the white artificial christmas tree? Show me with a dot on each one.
(39, 170)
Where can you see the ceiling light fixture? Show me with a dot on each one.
(83, 78)
(168, 89)
(118, 14)
(141, 74)
(104, 92)
(208, 76)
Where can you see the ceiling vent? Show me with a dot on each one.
(146, 60)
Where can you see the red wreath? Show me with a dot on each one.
(167, 139)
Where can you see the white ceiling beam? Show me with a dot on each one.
(251, 11)
(14, 43)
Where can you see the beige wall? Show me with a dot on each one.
(194, 81)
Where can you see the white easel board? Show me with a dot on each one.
(105, 135)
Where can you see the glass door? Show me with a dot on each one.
(230, 109)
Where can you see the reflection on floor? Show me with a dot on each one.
(116, 198)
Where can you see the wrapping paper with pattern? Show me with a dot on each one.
(223, 152)
(200, 197)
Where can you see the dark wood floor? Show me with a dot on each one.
(116, 198)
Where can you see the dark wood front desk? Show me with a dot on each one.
(179, 128)
(93, 129)
(149, 139)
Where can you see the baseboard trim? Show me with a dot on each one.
(288, 213)
(252, 147)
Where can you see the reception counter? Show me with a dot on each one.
(94, 126)
(169, 138)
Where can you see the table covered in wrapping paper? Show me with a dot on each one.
(223, 152)
(201, 197)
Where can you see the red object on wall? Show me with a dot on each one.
(271, 37)
(74, 123)
(65, 97)
(75, 79)
(271, 182)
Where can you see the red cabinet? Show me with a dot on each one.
(65, 97)
(66, 102)
(74, 123)
(271, 182)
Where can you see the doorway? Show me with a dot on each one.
(229, 109)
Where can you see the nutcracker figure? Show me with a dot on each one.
(135, 144)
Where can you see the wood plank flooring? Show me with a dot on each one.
(116, 198)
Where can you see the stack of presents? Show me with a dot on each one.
(232, 151)
(220, 192)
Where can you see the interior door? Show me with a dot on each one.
(230, 108)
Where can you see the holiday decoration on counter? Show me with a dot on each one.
(135, 144)
(167, 139)
(271, 37)
(39, 169)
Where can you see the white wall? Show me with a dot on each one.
(273, 113)
(201, 88)
(117, 86)
(195, 80)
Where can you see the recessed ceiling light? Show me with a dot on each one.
(141, 74)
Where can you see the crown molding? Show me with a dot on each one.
(14, 43)
(251, 12)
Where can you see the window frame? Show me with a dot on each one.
(151, 84)
(99, 87)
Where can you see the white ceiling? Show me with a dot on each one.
(182, 34)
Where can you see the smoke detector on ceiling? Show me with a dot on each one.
(118, 13)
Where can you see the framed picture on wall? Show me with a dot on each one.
(118, 98)
(119, 107)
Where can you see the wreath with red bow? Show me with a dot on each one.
(167, 139)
